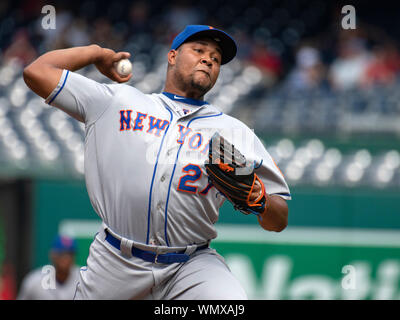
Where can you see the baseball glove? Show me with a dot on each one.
(233, 176)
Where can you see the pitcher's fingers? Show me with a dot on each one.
(118, 78)
(257, 186)
(125, 79)
(121, 55)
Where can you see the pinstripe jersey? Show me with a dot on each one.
(144, 159)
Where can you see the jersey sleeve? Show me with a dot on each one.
(269, 173)
(80, 97)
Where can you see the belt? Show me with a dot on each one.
(168, 258)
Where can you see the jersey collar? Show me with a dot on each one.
(178, 98)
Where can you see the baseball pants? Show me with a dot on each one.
(109, 275)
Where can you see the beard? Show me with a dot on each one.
(199, 84)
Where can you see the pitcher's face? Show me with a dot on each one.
(197, 65)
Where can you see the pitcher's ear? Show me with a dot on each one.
(172, 56)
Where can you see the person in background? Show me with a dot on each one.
(309, 71)
(348, 68)
(57, 281)
(21, 50)
(383, 67)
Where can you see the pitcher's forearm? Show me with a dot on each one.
(275, 216)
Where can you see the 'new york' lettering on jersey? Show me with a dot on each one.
(156, 126)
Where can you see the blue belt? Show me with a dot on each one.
(150, 256)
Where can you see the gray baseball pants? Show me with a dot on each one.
(110, 275)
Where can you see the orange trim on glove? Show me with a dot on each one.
(254, 202)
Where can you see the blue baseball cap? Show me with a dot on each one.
(225, 41)
(63, 243)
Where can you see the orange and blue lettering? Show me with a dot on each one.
(192, 140)
(206, 148)
(204, 192)
(137, 125)
(125, 120)
(155, 123)
(182, 133)
(193, 174)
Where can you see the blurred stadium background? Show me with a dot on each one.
(325, 101)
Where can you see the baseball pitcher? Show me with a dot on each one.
(159, 166)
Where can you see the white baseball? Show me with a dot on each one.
(124, 67)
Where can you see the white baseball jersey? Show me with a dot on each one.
(144, 159)
(38, 286)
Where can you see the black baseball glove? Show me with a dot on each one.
(233, 176)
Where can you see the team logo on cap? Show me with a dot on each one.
(66, 242)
